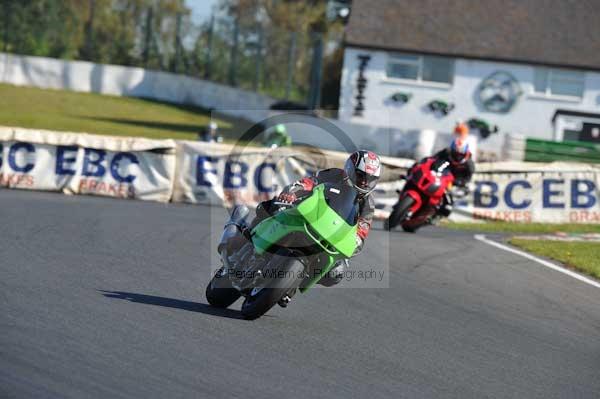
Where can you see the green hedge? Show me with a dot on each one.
(548, 151)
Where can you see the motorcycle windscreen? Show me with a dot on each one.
(331, 212)
(439, 168)
(342, 199)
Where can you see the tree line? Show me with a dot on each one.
(269, 46)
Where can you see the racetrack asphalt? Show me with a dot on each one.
(105, 298)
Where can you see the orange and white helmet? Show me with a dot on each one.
(459, 150)
(461, 129)
(363, 169)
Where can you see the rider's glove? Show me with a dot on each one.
(359, 244)
(288, 198)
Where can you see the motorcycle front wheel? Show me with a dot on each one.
(399, 213)
(284, 278)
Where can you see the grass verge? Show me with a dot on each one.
(93, 113)
(524, 228)
(581, 256)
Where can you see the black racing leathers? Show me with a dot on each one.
(463, 172)
(305, 185)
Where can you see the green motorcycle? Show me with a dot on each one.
(288, 251)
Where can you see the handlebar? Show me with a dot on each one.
(281, 203)
(460, 192)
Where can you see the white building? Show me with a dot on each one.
(517, 65)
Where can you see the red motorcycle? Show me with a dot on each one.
(426, 183)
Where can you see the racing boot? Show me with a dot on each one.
(283, 302)
(335, 275)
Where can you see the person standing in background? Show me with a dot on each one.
(279, 137)
(211, 134)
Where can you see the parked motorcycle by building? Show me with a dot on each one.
(291, 250)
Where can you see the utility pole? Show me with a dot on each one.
(316, 73)
(148, 36)
(6, 25)
(234, 50)
(291, 64)
(178, 44)
(209, 45)
(258, 61)
(89, 31)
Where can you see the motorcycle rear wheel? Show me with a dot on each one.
(409, 229)
(219, 292)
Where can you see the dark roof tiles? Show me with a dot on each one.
(553, 32)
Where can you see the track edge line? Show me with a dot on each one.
(577, 276)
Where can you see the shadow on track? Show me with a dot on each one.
(173, 303)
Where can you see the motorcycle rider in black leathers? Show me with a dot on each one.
(362, 170)
(462, 167)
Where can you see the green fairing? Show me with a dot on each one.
(327, 223)
(318, 221)
(273, 229)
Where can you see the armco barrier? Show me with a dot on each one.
(224, 174)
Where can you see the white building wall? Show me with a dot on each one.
(530, 116)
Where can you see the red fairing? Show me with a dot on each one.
(417, 198)
(307, 183)
(363, 228)
(426, 184)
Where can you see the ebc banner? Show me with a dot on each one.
(553, 197)
(26, 165)
(224, 175)
(67, 162)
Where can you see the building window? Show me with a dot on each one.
(420, 68)
(558, 82)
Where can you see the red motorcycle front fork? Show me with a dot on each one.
(417, 198)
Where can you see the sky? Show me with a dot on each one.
(201, 9)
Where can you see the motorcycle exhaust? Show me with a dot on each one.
(234, 226)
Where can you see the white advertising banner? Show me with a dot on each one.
(87, 164)
(529, 197)
(224, 174)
